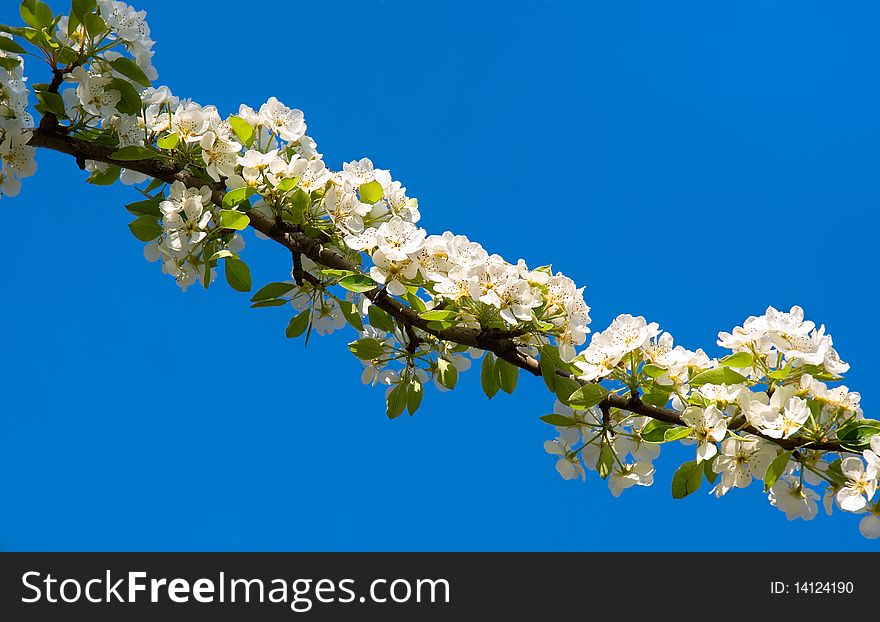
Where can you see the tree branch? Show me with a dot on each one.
(496, 341)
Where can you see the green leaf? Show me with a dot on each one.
(13, 30)
(687, 480)
(298, 324)
(780, 374)
(548, 371)
(654, 371)
(9, 64)
(857, 434)
(272, 290)
(133, 154)
(438, 315)
(130, 102)
(396, 401)
(415, 302)
(243, 130)
(676, 433)
(149, 207)
(51, 102)
(414, 395)
(299, 201)
(168, 142)
(380, 319)
(8, 45)
(711, 475)
(719, 375)
(351, 315)
(233, 219)
(272, 302)
(145, 228)
(238, 275)
(446, 373)
(36, 14)
(288, 184)
(130, 70)
(605, 464)
(488, 378)
(105, 178)
(237, 196)
(370, 192)
(358, 283)
(738, 360)
(655, 431)
(366, 349)
(656, 399)
(95, 24)
(587, 396)
(559, 420)
(776, 469)
(81, 8)
(507, 375)
(565, 387)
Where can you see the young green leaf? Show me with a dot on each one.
(233, 219)
(438, 315)
(130, 102)
(238, 275)
(243, 130)
(298, 324)
(655, 431)
(396, 402)
(587, 396)
(605, 464)
(507, 375)
(380, 319)
(237, 196)
(676, 433)
(8, 45)
(168, 142)
(145, 228)
(488, 377)
(36, 14)
(559, 420)
(272, 290)
(133, 154)
(105, 178)
(656, 399)
(719, 375)
(351, 315)
(150, 207)
(370, 192)
(366, 349)
(447, 374)
(358, 283)
(414, 395)
(709, 472)
(687, 479)
(548, 371)
(81, 8)
(130, 70)
(738, 360)
(272, 302)
(654, 371)
(51, 102)
(776, 470)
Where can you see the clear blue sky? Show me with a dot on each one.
(691, 162)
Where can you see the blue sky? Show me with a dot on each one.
(690, 162)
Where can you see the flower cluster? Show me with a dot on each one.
(16, 157)
(767, 411)
(770, 388)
